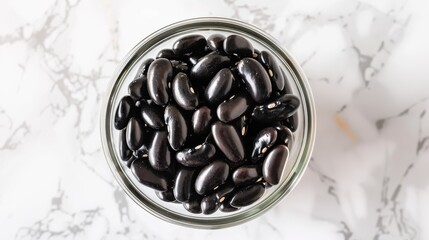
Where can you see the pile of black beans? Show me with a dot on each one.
(208, 123)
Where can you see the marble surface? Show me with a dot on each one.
(366, 62)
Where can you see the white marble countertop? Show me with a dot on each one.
(367, 63)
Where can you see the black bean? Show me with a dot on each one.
(277, 110)
(152, 115)
(123, 112)
(201, 120)
(274, 164)
(158, 76)
(207, 67)
(147, 176)
(211, 176)
(263, 142)
(288, 88)
(167, 196)
(183, 93)
(194, 205)
(189, 44)
(124, 151)
(176, 126)
(285, 135)
(228, 141)
(292, 122)
(215, 42)
(233, 108)
(209, 204)
(238, 46)
(168, 54)
(247, 195)
(159, 153)
(184, 184)
(226, 207)
(220, 86)
(246, 174)
(197, 156)
(256, 79)
(273, 69)
(222, 192)
(138, 88)
(135, 134)
(142, 71)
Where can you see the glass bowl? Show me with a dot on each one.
(164, 38)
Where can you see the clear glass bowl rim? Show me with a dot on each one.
(215, 23)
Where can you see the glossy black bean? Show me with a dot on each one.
(273, 69)
(238, 46)
(183, 93)
(285, 135)
(152, 115)
(226, 207)
(138, 88)
(233, 108)
(124, 151)
(158, 76)
(246, 174)
(256, 79)
(201, 120)
(184, 184)
(215, 42)
(135, 134)
(223, 191)
(228, 141)
(194, 205)
(274, 163)
(211, 176)
(189, 44)
(209, 204)
(197, 156)
(159, 153)
(287, 82)
(142, 71)
(277, 110)
(142, 171)
(247, 195)
(123, 112)
(207, 67)
(263, 142)
(292, 122)
(167, 196)
(220, 86)
(176, 126)
(168, 54)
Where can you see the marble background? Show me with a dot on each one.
(367, 63)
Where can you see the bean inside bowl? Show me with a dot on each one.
(194, 63)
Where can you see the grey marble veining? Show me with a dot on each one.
(366, 63)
